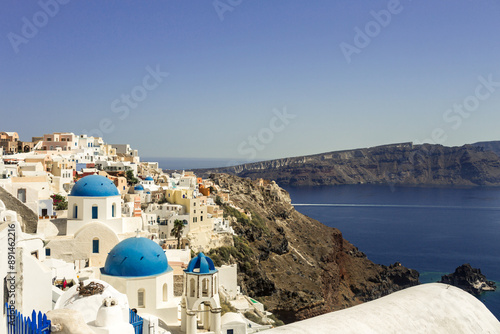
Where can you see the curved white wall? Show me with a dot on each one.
(427, 308)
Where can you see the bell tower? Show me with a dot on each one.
(200, 298)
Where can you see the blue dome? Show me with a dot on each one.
(201, 264)
(149, 178)
(139, 187)
(94, 186)
(136, 257)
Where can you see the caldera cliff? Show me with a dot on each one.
(398, 164)
(295, 265)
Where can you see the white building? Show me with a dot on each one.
(103, 313)
(33, 281)
(234, 323)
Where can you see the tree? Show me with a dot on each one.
(59, 202)
(131, 179)
(177, 231)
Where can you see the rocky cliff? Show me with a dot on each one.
(469, 279)
(295, 265)
(404, 164)
(493, 146)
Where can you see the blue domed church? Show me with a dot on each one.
(138, 267)
(94, 198)
(94, 224)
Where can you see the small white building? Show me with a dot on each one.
(233, 323)
(106, 312)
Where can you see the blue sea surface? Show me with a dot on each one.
(432, 230)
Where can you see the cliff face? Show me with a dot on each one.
(493, 146)
(295, 265)
(404, 164)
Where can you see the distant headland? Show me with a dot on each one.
(403, 164)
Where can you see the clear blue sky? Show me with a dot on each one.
(230, 67)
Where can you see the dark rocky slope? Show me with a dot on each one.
(469, 279)
(404, 164)
(295, 265)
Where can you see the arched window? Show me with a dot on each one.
(95, 245)
(141, 298)
(94, 212)
(75, 212)
(192, 285)
(165, 292)
(113, 210)
(204, 287)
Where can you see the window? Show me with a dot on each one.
(230, 331)
(95, 246)
(195, 219)
(21, 195)
(141, 298)
(94, 212)
(204, 287)
(113, 210)
(165, 292)
(75, 212)
(192, 285)
(201, 218)
(47, 251)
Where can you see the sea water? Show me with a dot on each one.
(432, 230)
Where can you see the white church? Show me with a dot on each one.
(94, 224)
(138, 268)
